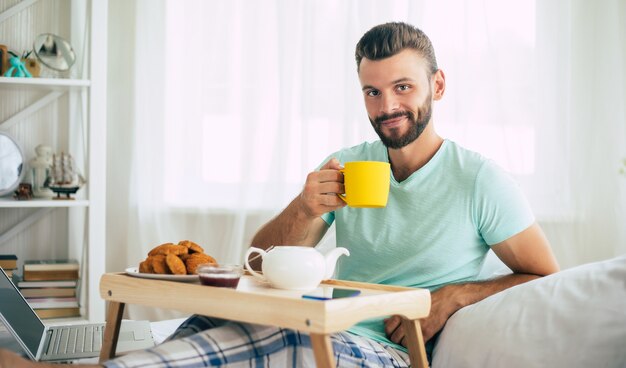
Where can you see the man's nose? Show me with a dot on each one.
(389, 103)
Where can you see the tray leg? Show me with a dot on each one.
(111, 331)
(415, 342)
(323, 350)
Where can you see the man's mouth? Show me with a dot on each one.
(393, 122)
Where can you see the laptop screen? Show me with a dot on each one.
(19, 315)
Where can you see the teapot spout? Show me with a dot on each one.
(331, 260)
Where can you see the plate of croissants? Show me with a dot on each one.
(173, 262)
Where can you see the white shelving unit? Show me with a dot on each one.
(39, 202)
(45, 83)
(70, 112)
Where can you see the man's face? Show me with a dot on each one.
(398, 97)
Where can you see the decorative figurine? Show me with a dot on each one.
(24, 192)
(40, 166)
(31, 65)
(4, 59)
(17, 69)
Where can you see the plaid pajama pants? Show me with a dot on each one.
(203, 342)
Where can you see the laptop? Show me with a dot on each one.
(62, 342)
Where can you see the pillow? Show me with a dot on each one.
(574, 318)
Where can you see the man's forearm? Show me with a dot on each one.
(291, 227)
(469, 293)
(450, 298)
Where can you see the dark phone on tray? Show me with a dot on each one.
(329, 293)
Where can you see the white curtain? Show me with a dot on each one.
(219, 109)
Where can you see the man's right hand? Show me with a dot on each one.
(321, 189)
(300, 223)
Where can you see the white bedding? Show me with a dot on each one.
(162, 329)
(575, 318)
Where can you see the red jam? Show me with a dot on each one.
(229, 281)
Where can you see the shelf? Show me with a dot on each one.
(77, 119)
(45, 83)
(8, 202)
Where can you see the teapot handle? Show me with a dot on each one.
(250, 251)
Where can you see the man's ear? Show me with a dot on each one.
(439, 84)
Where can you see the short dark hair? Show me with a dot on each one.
(388, 39)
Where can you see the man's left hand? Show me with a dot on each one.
(449, 299)
(441, 305)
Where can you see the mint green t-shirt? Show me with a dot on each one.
(436, 228)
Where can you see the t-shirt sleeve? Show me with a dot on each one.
(329, 217)
(500, 207)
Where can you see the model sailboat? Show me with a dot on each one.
(63, 177)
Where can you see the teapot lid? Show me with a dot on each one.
(294, 247)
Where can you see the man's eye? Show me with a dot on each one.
(373, 93)
(404, 87)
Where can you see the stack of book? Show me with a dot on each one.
(49, 286)
(8, 262)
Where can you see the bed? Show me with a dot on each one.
(575, 318)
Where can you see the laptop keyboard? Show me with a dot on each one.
(74, 339)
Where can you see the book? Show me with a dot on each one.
(8, 261)
(50, 269)
(50, 275)
(58, 312)
(51, 265)
(43, 284)
(49, 303)
(48, 292)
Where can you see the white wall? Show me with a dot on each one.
(589, 233)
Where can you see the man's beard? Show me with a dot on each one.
(416, 126)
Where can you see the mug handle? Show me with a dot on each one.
(343, 197)
(250, 251)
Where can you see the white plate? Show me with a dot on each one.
(132, 271)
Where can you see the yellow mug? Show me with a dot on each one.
(366, 183)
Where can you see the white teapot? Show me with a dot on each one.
(295, 267)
